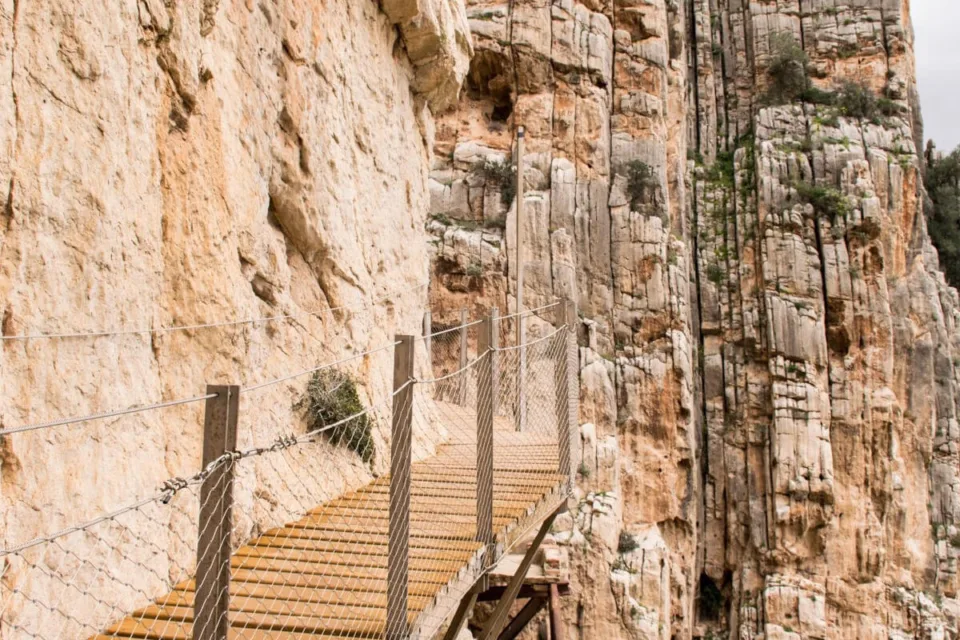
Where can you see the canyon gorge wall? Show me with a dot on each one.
(173, 163)
(768, 387)
(768, 391)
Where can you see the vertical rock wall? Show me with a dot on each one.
(769, 391)
(184, 163)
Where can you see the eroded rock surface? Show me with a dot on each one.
(768, 390)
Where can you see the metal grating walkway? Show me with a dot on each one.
(316, 578)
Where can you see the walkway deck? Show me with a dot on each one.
(324, 576)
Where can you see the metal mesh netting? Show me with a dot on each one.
(295, 537)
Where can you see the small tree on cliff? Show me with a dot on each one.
(943, 209)
(787, 70)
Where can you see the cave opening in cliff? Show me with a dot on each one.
(490, 80)
(712, 603)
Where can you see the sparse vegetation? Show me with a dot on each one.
(331, 398)
(502, 175)
(787, 70)
(627, 543)
(584, 471)
(640, 180)
(474, 270)
(943, 210)
(714, 273)
(825, 200)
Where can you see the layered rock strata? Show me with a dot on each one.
(768, 390)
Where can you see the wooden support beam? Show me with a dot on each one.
(463, 613)
(493, 626)
(522, 619)
(212, 604)
(398, 545)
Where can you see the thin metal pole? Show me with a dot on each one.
(212, 603)
(401, 451)
(428, 339)
(521, 325)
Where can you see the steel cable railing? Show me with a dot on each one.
(295, 535)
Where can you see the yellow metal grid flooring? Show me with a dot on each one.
(324, 576)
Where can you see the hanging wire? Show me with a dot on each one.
(270, 383)
(102, 416)
(209, 325)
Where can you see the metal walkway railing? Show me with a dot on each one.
(470, 451)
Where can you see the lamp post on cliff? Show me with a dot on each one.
(521, 323)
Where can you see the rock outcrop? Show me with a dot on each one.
(769, 356)
(768, 385)
(185, 163)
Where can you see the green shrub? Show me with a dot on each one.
(331, 397)
(584, 471)
(787, 70)
(715, 273)
(825, 201)
(474, 270)
(627, 543)
(857, 101)
(503, 175)
(640, 178)
(819, 96)
(942, 211)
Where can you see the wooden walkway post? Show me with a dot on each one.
(494, 364)
(401, 453)
(567, 386)
(212, 602)
(464, 355)
(485, 393)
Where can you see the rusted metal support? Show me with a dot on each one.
(212, 603)
(556, 614)
(398, 545)
(499, 616)
(523, 618)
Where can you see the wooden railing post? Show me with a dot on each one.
(485, 393)
(494, 362)
(401, 452)
(212, 600)
(567, 386)
(464, 356)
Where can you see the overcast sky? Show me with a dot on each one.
(937, 27)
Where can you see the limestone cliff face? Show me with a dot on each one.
(182, 163)
(769, 394)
